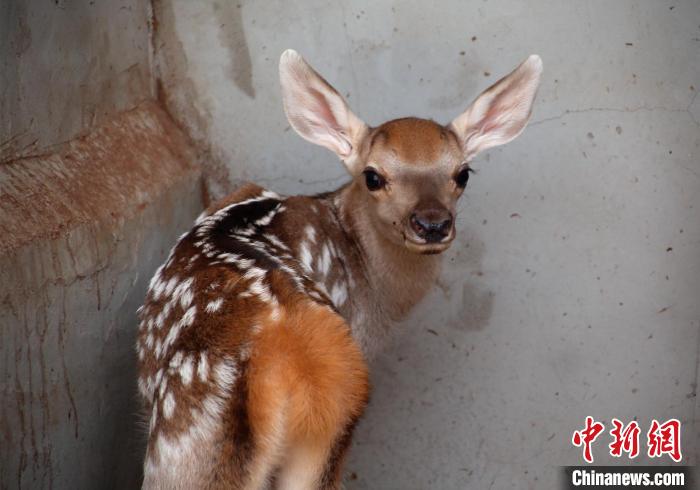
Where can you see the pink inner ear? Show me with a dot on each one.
(503, 114)
(321, 108)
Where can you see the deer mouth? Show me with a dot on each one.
(421, 246)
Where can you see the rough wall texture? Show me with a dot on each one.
(95, 184)
(67, 65)
(572, 288)
(82, 230)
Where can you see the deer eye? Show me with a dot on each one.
(373, 180)
(462, 177)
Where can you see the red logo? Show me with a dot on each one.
(661, 439)
(626, 440)
(587, 436)
(665, 439)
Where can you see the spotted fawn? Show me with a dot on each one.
(254, 335)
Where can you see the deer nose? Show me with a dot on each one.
(433, 225)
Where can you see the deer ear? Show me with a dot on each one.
(501, 112)
(315, 109)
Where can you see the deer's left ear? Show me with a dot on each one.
(317, 112)
(501, 112)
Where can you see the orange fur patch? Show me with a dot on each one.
(308, 366)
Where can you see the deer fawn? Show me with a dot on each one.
(255, 331)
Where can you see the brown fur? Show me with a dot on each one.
(414, 141)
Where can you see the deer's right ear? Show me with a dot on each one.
(316, 111)
(501, 112)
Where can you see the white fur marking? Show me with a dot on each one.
(276, 241)
(305, 257)
(203, 367)
(168, 405)
(154, 418)
(339, 294)
(187, 370)
(163, 386)
(324, 260)
(214, 306)
(176, 360)
(310, 233)
(170, 286)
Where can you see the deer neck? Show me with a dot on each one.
(398, 278)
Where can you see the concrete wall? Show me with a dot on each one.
(572, 289)
(68, 65)
(96, 182)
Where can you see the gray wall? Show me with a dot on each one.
(68, 65)
(573, 287)
(95, 184)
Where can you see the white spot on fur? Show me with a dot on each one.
(229, 258)
(339, 294)
(276, 241)
(159, 349)
(270, 195)
(168, 405)
(260, 290)
(305, 257)
(154, 418)
(275, 313)
(186, 371)
(176, 360)
(163, 386)
(186, 321)
(245, 263)
(170, 286)
(241, 232)
(310, 233)
(188, 317)
(160, 319)
(225, 374)
(324, 260)
(203, 367)
(265, 220)
(214, 306)
(184, 293)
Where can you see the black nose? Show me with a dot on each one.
(433, 225)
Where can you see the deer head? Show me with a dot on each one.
(407, 174)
